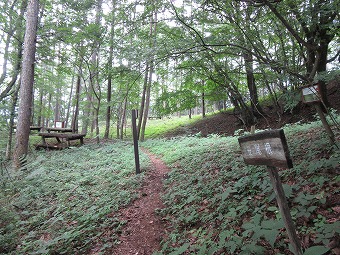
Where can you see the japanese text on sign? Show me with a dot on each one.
(265, 148)
(259, 149)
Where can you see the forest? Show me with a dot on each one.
(94, 61)
(87, 64)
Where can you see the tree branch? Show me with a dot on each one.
(288, 26)
(334, 58)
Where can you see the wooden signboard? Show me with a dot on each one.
(311, 94)
(270, 148)
(59, 124)
(266, 148)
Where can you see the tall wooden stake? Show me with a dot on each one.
(284, 209)
(325, 124)
(135, 140)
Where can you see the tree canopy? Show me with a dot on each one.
(100, 58)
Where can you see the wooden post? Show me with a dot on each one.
(135, 141)
(325, 123)
(270, 148)
(311, 95)
(284, 209)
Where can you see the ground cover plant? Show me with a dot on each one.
(66, 201)
(217, 205)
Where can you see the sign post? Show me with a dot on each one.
(270, 148)
(59, 124)
(135, 140)
(311, 95)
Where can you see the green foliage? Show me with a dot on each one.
(316, 250)
(160, 127)
(290, 100)
(171, 102)
(66, 201)
(216, 204)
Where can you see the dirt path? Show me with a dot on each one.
(144, 229)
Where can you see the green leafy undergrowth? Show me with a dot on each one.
(67, 201)
(216, 204)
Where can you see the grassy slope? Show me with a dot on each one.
(68, 200)
(217, 205)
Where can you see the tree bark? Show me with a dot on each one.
(203, 104)
(68, 110)
(11, 123)
(109, 67)
(96, 88)
(123, 121)
(254, 99)
(75, 116)
(152, 34)
(26, 87)
(142, 105)
(147, 102)
(17, 64)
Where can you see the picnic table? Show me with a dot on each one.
(60, 136)
(59, 130)
(36, 128)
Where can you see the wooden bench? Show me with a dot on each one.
(60, 136)
(32, 128)
(154, 117)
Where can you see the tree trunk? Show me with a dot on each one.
(203, 100)
(49, 109)
(142, 105)
(108, 108)
(123, 121)
(254, 99)
(119, 120)
(26, 87)
(74, 124)
(41, 104)
(322, 67)
(152, 34)
(11, 123)
(147, 103)
(109, 81)
(69, 103)
(57, 106)
(17, 65)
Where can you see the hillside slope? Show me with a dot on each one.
(226, 123)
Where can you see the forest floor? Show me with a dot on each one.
(145, 229)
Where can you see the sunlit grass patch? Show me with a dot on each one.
(159, 127)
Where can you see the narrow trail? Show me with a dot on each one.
(144, 229)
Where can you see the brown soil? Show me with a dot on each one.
(226, 123)
(144, 229)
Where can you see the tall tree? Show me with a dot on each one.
(109, 68)
(14, 33)
(315, 31)
(148, 82)
(27, 80)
